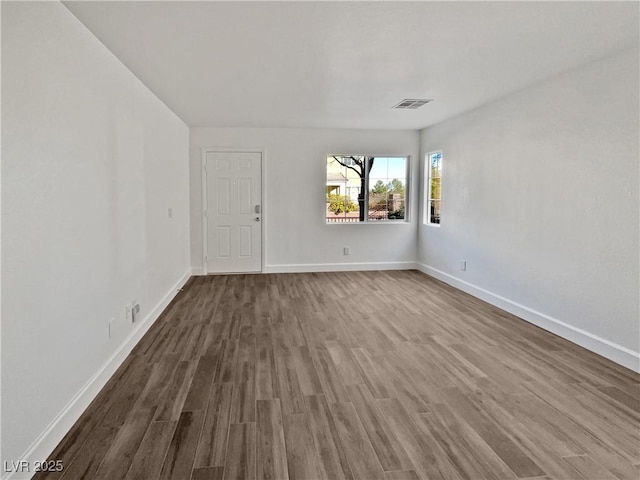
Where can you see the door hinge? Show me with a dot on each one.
(205, 214)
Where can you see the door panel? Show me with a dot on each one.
(223, 242)
(233, 228)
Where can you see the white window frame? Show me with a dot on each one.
(427, 190)
(407, 192)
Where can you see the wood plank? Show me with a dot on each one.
(359, 451)
(332, 385)
(372, 373)
(402, 475)
(244, 405)
(266, 381)
(403, 388)
(177, 392)
(240, 461)
(178, 462)
(302, 459)
(162, 374)
(289, 391)
(423, 452)
(73, 441)
(208, 473)
(90, 456)
(151, 453)
(125, 395)
(630, 401)
(587, 468)
(465, 449)
(271, 454)
(332, 460)
(345, 364)
(200, 388)
(547, 423)
(212, 447)
(118, 458)
(388, 449)
(598, 419)
(517, 460)
(307, 375)
(225, 371)
(194, 346)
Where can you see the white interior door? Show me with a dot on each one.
(233, 215)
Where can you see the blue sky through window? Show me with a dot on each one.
(388, 168)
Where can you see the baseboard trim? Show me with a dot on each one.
(338, 267)
(614, 352)
(42, 447)
(197, 271)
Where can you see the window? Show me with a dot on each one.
(362, 188)
(433, 188)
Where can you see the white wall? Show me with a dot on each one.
(297, 238)
(91, 162)
(540, 197)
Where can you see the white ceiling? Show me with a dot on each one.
(345, 64)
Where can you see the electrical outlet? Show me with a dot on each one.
(463, 265)
(347, 250)
(111, 325)
(135, 311)
(128, 313)
(170, 212)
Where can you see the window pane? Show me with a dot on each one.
(432, 188)
(387, 200)
(341, 209)
(436, 165)
(377, 207)
(387, 189)
(435, 211)
(342, 190)
(397, 167)
(435, 188)
(396, 208)
(379, 168)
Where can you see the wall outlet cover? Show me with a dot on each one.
(135, 311)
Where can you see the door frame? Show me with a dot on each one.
(263, 219)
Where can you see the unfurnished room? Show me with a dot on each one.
(308, 240)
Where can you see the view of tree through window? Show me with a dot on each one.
(434, 184)
(363, 188)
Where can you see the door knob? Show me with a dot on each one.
(257, 219)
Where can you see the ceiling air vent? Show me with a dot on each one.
(413, 103)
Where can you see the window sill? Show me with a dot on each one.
(377, 222)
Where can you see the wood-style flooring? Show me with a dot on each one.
(358, 375)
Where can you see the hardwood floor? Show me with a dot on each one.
(358, 375)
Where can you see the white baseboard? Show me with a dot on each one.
(614, 352)
(42, 447)
(338, 267)
(196, 271)
(326, 267)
